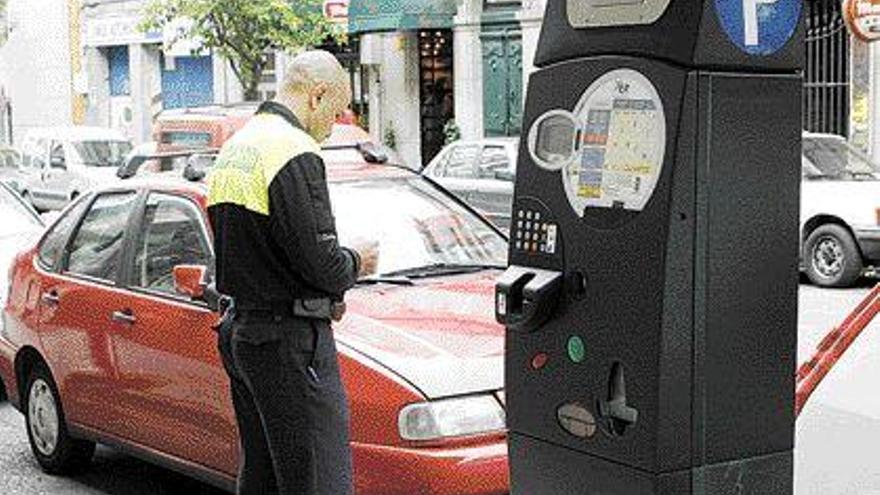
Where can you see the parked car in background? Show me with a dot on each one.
(10, 168)
(110, 340)
(19, 225)
(200, 127)
(192, 164)
(481, 173)
(62, 163)
(840, 211)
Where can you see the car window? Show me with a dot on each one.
(835, 158)
(109, 154)
(57, 152)
(173, 233)
(460, 164)
(34, 153)
(493, 159)
(96, 249)
(54, 240)
(423, 227)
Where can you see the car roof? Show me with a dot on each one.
(489, 141)
(207, 111)
(75, 133)
(338, 172)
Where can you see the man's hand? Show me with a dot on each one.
(369, 254)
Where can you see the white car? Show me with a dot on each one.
(61, 163)
(840, 211)
(20, 224)
(481, 173)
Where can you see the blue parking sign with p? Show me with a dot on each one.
(759, 27)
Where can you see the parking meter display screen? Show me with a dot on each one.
(555, 139)
(622, 141)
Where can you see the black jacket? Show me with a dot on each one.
(274, 233)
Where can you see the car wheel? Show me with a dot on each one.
(51, 443)
(831, 257)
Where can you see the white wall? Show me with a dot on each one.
(36, 62)
(468, 69)
(394, 91)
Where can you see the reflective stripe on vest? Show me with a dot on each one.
(249, 161)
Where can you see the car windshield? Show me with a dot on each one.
(414, 226)
(102, 153)
(17, 218)
(834, 158)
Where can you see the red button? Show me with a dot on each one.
(539, 360)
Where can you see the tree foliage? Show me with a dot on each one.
(244, 31)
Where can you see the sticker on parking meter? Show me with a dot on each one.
(759, 27)
(621, 144)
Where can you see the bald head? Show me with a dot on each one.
(316, 88)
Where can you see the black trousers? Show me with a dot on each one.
(290, 405)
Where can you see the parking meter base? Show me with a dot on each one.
(539, 468)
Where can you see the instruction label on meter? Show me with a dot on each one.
(622, 143)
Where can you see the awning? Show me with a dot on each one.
(369, 16)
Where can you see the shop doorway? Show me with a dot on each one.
(435, 89)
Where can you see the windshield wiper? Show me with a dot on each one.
(385, 279)
(438, 269)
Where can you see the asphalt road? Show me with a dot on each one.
(840, 420)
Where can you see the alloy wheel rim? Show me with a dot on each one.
(828, 257)
(43, 417)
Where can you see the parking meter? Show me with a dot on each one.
(651, 297)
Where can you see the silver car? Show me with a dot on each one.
(62, 163)
(481, 173)
(10, 168)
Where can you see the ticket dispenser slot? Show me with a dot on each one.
(526, 297)
(660, 148)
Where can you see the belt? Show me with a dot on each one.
(320, 308)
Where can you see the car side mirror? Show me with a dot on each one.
(193, 172)
(191, 280)
(505, 175)
(372, 154)
(58, 162)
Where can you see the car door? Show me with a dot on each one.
(56, 176)
(169, 369)
(35, 160)
(494, 193)
(77, 321)
(456, 172)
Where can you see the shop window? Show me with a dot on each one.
(436, 89)
(120, 79)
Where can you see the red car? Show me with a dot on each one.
(101, 344)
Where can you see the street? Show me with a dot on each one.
(116, 474)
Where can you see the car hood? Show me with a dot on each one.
(855, 202)
(101, 176)
(439, 335)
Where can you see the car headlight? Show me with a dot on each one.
(451, 418)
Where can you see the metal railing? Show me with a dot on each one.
(827, 70)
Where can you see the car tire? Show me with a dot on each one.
(26, 196)
(55, 450)
(831, 257)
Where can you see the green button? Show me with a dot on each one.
(576, 349)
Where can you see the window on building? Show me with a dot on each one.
(120, 76)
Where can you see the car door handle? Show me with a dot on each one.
(125, 316)
(51, 298)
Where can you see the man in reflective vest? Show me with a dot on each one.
(278, 258)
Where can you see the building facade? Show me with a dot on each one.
(435, 65)
(129, 76)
